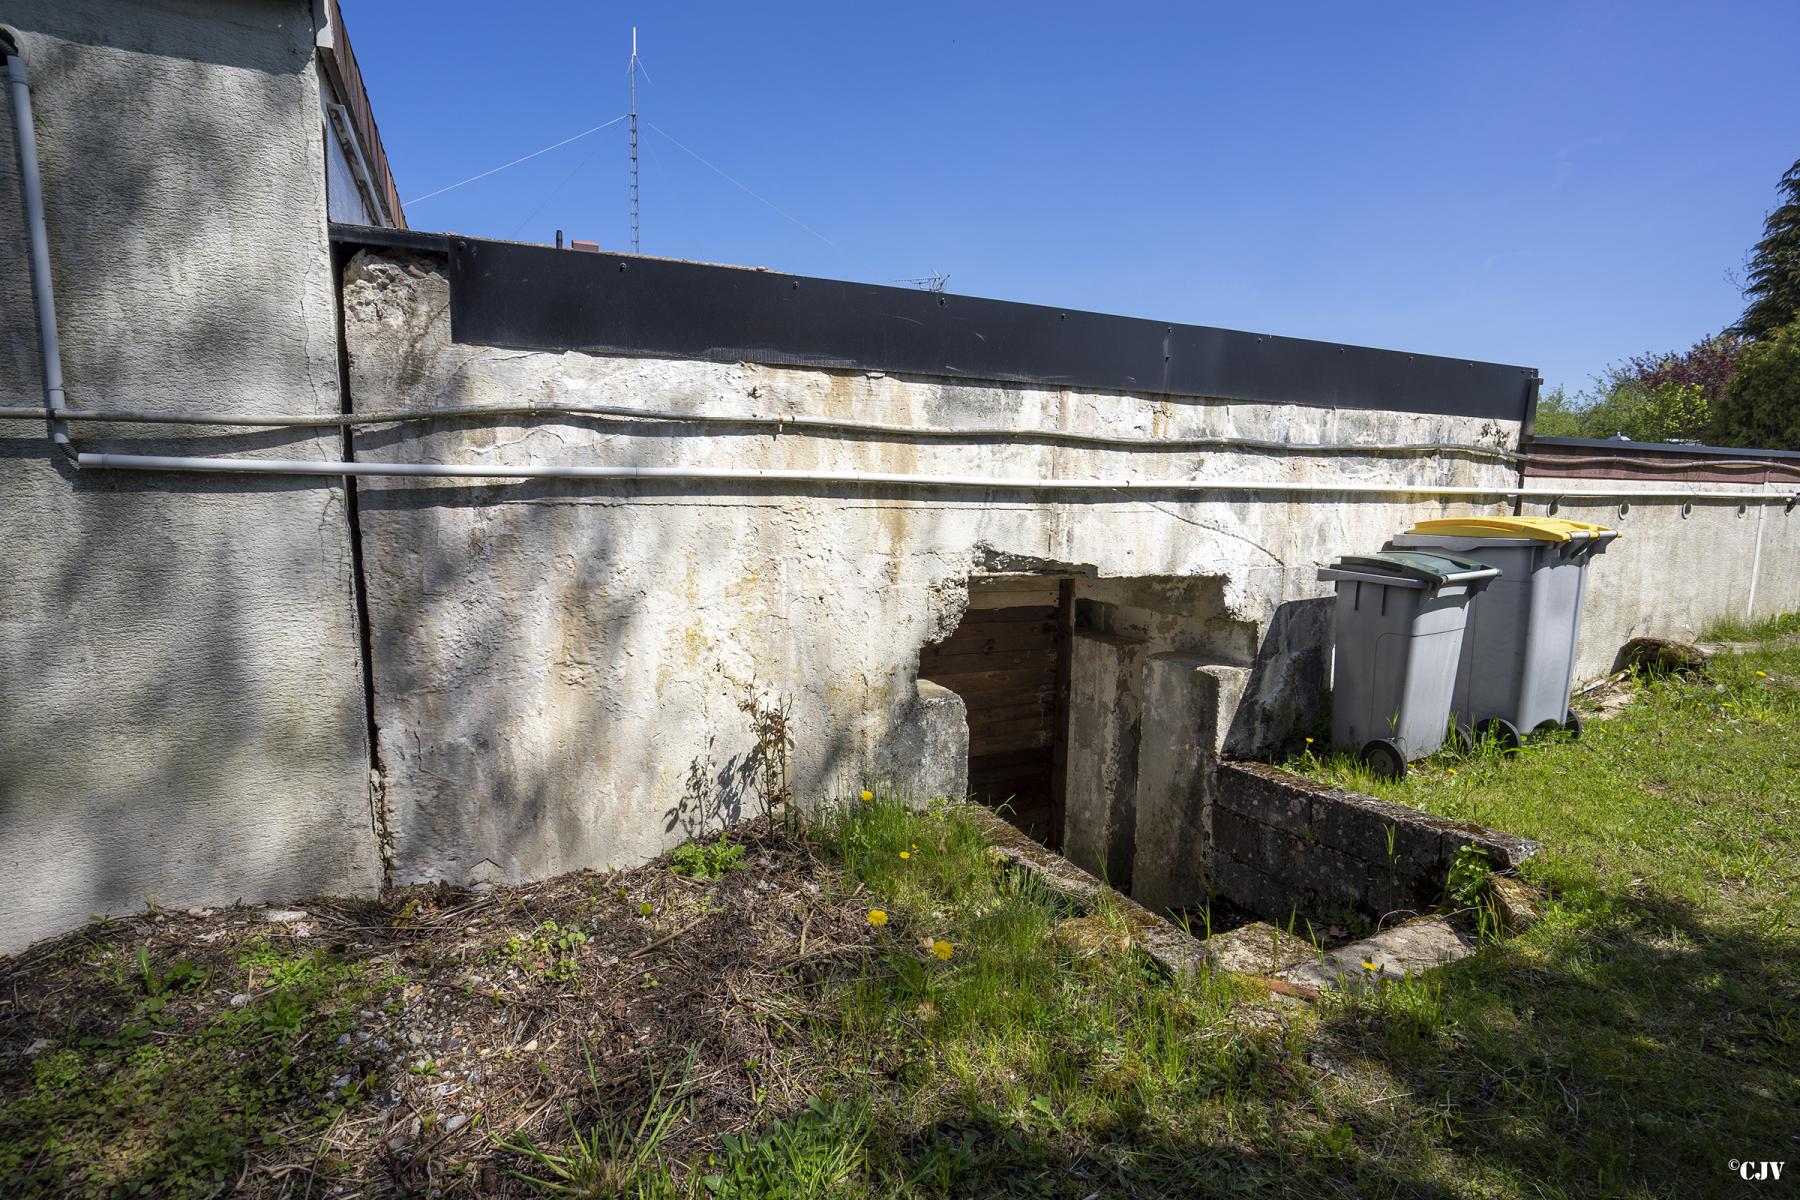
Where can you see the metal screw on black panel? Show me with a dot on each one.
(622, 266)
(942, 302)
(796, 285)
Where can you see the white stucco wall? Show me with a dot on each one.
(557, 664)
(179, 671)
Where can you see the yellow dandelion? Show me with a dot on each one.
(1453, 770)
(1367, 965)
(906, 854)
(877, 917)
(941, 949)
(867, 794)
(1309, 741)
(1762, 674)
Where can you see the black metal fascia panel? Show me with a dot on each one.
(388, 238)
(540, 298)
(1618, 445)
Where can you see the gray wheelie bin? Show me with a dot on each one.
(1518, 651)
(1398, 628)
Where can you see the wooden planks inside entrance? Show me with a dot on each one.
(1010, 664)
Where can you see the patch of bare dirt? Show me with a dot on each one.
(491, 1008)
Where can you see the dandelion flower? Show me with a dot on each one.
(1453, 770)
(1762, 674)
(1367, 965)
(1309, 741)
(905, 854)
(867, 794)
(877, 917)
(941, 949)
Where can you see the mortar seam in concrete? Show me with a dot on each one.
(359, 586)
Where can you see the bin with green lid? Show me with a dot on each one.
(1398, 628)
(1518, 651)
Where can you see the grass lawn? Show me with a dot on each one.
(881, 1008)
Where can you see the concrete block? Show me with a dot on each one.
(927, 753)
(1188, 707)
(1105, 715)
(1257, 949)
(1407, 949)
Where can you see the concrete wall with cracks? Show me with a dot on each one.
(558, 664)
(557, 668)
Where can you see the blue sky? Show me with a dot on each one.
(1554, 185)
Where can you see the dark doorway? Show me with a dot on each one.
(1009, 661)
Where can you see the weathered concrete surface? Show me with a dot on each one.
(1174, 950)
(1401, 950)
(928, 756)
(558, 665)
(1675, 572)
(1283, 844)
(178, 653)
(1188, 709)
(1257, 949)
(1105, 727)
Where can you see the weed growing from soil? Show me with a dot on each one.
(709, 860)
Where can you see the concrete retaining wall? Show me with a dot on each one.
(1282, 845)
(179, 670)
(1681, 566)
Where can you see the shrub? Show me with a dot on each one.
(1762, 408)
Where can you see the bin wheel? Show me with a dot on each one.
(1465, 740)
(1572, 726)
(1384, 759)
(1502, 731)
(1546, 727)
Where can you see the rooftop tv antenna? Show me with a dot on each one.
(933, 282)
(631, 72)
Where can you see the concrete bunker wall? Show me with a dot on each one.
(558, 664)
(1681, 566)
(179, 657)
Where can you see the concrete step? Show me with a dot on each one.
(1410, 948)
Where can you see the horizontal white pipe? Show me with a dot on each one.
(277, 466)
(779, 423)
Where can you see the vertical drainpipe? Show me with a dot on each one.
(31, 196)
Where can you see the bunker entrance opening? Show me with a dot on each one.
(1009, 661)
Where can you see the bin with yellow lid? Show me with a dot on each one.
(1518, 650)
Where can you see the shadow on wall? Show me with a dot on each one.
(178, 656)
(1288, 691)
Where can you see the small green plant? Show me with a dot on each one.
(551, 950)
(612, 1157)
(1468, 877)
(771, 726)
(708, 861)
(813, 1153)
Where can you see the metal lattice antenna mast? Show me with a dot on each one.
(631, 70)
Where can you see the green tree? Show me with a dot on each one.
(1774, 279)
(1762, 407)
(1557, 416)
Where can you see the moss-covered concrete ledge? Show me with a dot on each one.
(1171, 947)
(1283, 844)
